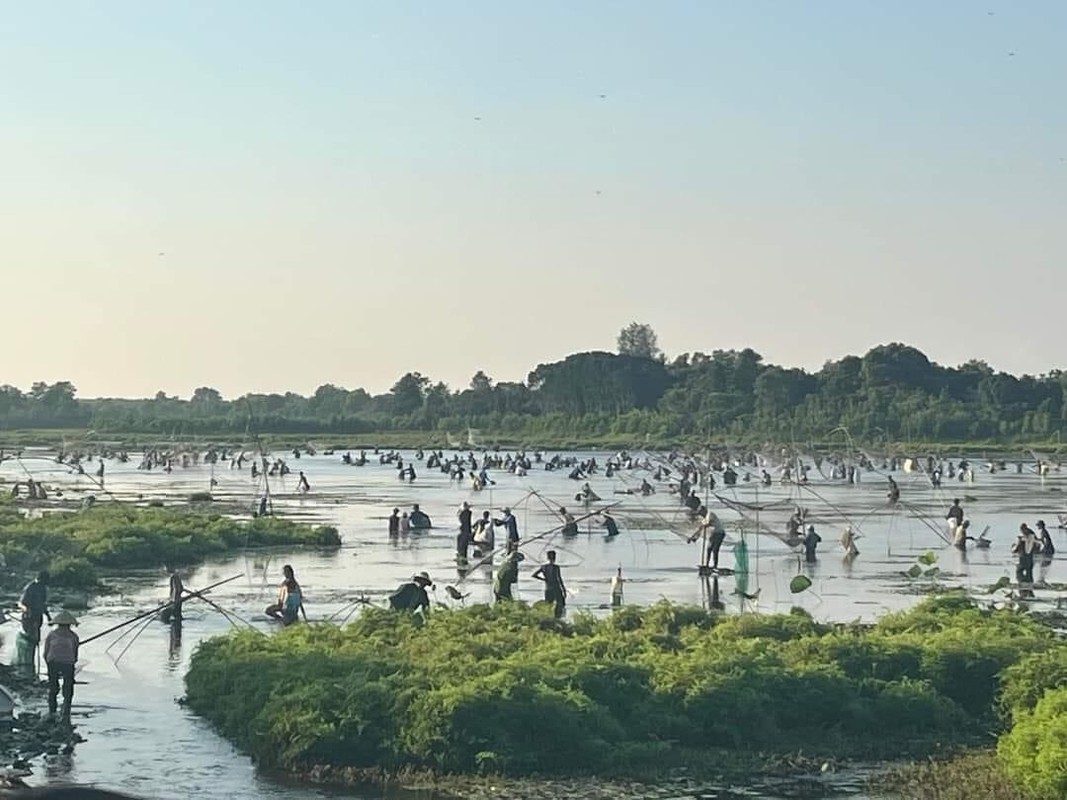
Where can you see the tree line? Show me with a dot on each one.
(891, 393)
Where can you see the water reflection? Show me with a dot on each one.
(174, 653)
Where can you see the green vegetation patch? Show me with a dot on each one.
(76, 546)
(508, 689)
(968, 777)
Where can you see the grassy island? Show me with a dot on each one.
(79, 546)
(509, 690)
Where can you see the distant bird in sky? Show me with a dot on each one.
(603, 97)
(1011, 53)
(477, 119)
(162, 254)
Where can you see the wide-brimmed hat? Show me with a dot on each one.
(64, 618)
(424, 577)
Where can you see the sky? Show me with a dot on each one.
(267, 196)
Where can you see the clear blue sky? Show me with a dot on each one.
(346, 191)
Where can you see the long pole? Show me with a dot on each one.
(189, 596)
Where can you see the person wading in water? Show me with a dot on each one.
(61, 654)
(555, 591)
(466, 533)
(34, 606)
(508, 573)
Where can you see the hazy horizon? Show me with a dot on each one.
(266, 197)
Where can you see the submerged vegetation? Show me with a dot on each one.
(77, 546)
(891, 393)
(508, 689)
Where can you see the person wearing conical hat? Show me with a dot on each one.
(412, 596)
(60, 655)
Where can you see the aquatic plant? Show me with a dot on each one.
(115, 536)
(511, 689)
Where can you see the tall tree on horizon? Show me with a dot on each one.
(639, 340)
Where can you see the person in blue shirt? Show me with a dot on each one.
(510, 524)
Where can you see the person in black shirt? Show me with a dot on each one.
(955, 513)
(412, 596)
(34, 606)
(394, 524)
(610, 525)
(555, 591)
(466, 534)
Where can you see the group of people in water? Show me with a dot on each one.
(412, 595)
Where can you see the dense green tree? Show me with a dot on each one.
(408, 392)
(638, 340)
(891, 393)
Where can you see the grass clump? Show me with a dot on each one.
(508, 689)
(77, 546)
(979, 774)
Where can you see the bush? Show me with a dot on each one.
(1034, 751)
(1026, 682)
(510, 689)
(118, 536)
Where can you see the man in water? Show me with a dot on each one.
(555, 591)
(955, 513)
(412, 596)
(61, 654)
(848, 543)
(510, 524)
(394, 524)
(34, 607)
(419, 519)
(484, 536)
(610, 525)
(961, 535)
(508, 573)
(1025, 547)
(466, 533)
(894, 491)
(172, 613)
(302, 485)
(811, 541)
(1048, 549)
(570, 527)
(716, 536)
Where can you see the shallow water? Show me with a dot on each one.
(140, 740)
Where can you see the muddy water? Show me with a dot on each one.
(140, 740)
